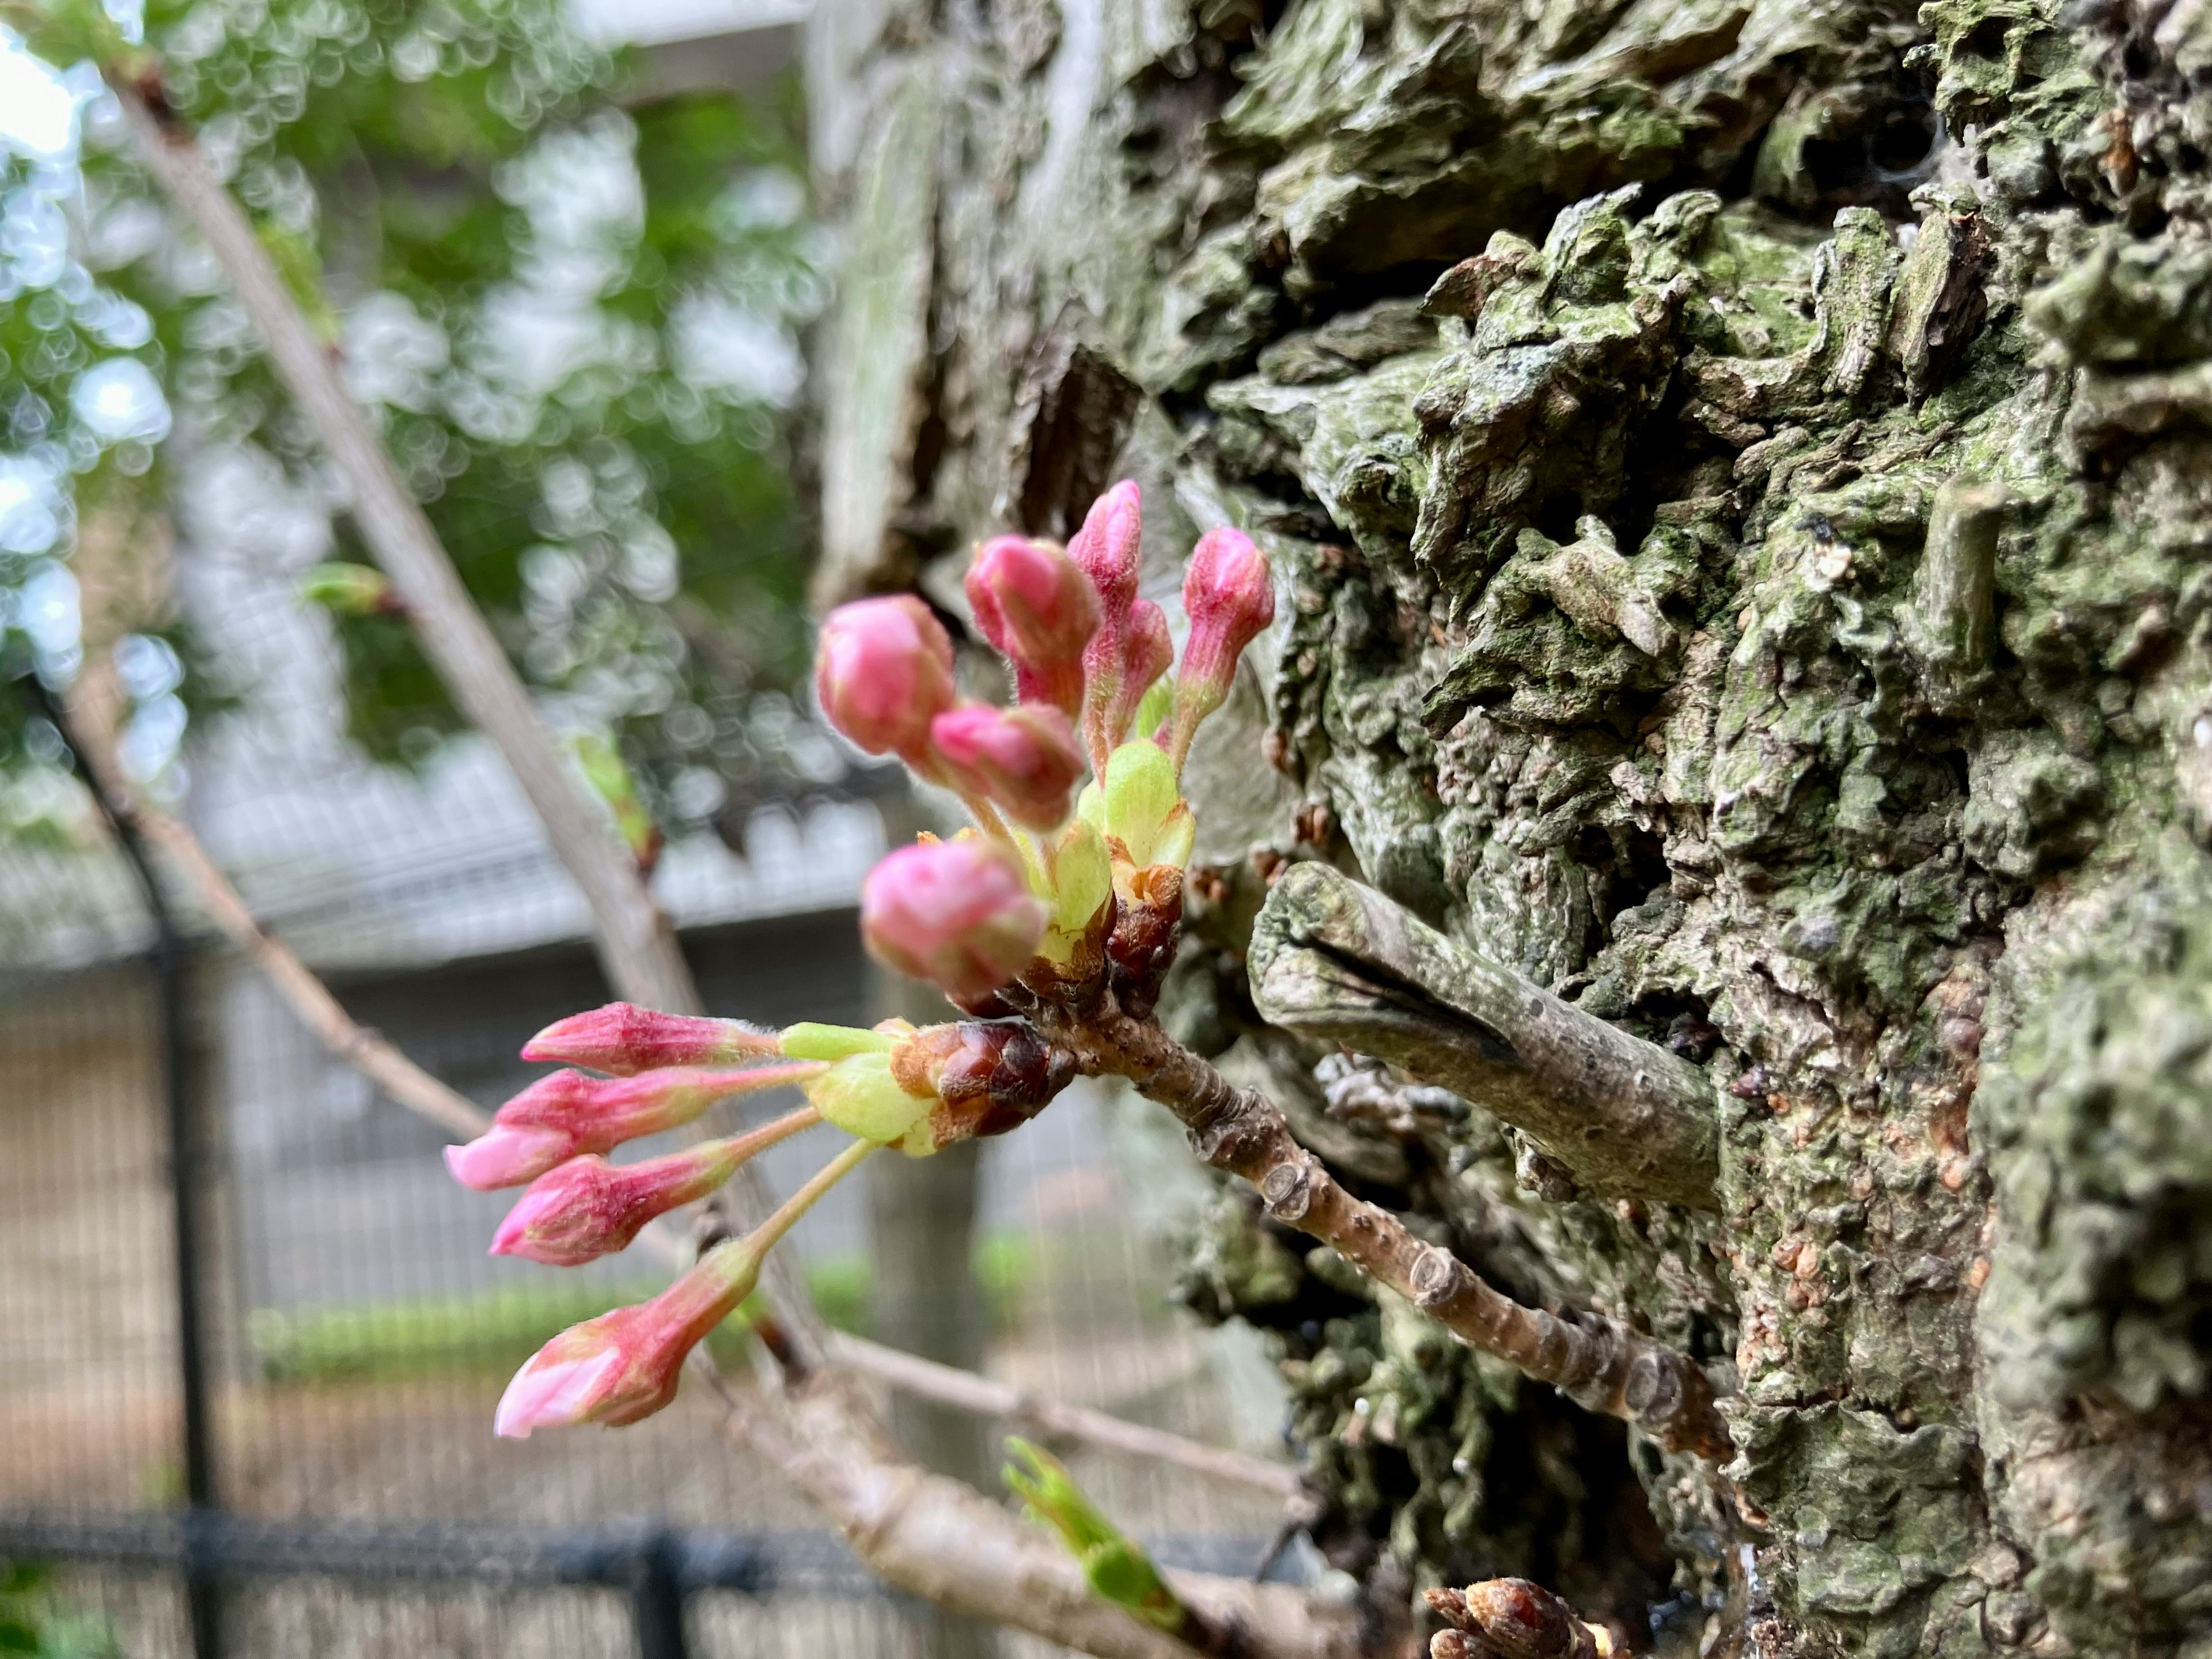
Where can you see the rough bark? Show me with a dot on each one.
(1737, 471)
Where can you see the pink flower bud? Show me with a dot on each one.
(1026, 758)
(1035, 604)
(1229, 597)
(1108, 550)
(625, 1039)
(624, 1365)
(588, 1208)
(1148, 652)
(883, 672)
(1109, 547)
(956, 912)
(567, 1114)
(506, 1156)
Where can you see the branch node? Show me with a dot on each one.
(1654, 1389)
(1436, 1277)
(1288, 1190)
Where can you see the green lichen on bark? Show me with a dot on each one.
(1739, 477)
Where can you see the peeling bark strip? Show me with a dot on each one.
(1601, 1365)
(1336, 959)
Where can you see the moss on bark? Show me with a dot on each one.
(1741, 479)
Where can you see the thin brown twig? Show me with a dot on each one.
(1597, 1362)
(965, 1391)
(309, 999)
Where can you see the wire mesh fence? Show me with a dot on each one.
(344, 1494)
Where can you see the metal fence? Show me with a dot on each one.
(250, 1341)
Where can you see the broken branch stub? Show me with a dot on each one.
(1335, 959)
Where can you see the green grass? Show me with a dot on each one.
(494, 1332)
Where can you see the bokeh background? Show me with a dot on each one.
(566, 258)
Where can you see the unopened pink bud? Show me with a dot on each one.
(957, 913)
(1026, 758)
(1147, 653)
(588, 1208)
(625, 1039)
(1110, 549)
(1034, 603)
(1110, 546)
(506, 1156)
(1230, 597)
(624, 1365)
(883, 672)
(567, 1114)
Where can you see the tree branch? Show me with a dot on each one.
(1336, 959)
(966, 1391)
(1597, 1362)
(944, 1541)
(308, 997)
(636, 944)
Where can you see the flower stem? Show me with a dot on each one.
(770, 1232)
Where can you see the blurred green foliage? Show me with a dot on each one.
(38, 1624)
(570, 305)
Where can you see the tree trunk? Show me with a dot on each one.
(1737, 477)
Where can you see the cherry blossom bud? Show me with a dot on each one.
(1107, 549)
(1229, 597)
(957, 913)
(983, 1077)
(1035, 604)
(624, 1365)
(624, 1039)
(883, 672)
(506, 1156)
(567, 1114)
(588, 1208)
(1148, 652)
(1026, 758)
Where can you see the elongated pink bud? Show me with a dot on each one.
(1035, 604)
(506, 1156)
(956, 912)
(624, 1365)
(883, 672)
(1026, 758)
(588, 1208)
(1229, 597)
(624, 1039)
(1108, 550)
(1148, 652)
(1109, 547)
(567, 1114)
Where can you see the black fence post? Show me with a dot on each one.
(170, 961)
(656, 1598)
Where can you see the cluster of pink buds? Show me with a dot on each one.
(917, 1090)
(1066, 893)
